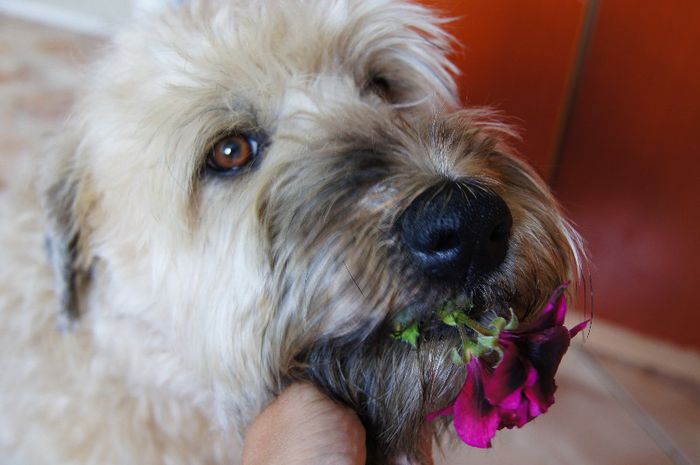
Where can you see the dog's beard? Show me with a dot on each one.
(390, 385)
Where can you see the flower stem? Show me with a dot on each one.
(465, 320)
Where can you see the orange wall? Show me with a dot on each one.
(518, 55)
(630, 169)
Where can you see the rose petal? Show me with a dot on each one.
(578, 328)
(518, 416)
(539, 393)
(560, 306)
(552, 315)
(477, 432)
(503, 384)
(545, 350)
(476, 420)
(538, 401)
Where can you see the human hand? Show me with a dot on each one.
(304, 427)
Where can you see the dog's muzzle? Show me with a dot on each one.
(456, 233)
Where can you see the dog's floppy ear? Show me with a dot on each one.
(65, 198)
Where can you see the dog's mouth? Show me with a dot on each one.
(396, 374)
(424, 322)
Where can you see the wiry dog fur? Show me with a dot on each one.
(186, 300)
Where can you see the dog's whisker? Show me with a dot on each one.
(353, 279)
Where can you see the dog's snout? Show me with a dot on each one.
(456, 233)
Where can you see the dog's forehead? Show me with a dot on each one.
(332, 31)
(261, 44)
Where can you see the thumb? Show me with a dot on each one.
(303, 426)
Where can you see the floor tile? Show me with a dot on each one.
(40, 73)
(671, 406)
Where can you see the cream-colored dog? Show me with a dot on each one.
(247, 194)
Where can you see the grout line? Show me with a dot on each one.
(642, 351)
(638, 414)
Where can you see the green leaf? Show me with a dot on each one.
(409, 335)
(449, 318)
(499, 323)
(490, 342)
(513, 323)
(473, 349)
(452, 312)
(456, 357)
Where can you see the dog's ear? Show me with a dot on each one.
(65, 197)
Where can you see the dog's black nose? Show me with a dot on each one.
(456, 233)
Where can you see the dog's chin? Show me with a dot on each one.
(390, 384)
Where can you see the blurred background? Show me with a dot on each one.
(606, 94)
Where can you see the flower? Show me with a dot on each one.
(475, 418)
(521, 386)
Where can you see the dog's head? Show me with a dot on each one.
(267, 185)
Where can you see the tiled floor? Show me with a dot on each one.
(613, 406)
(607, 412)
(39, 74)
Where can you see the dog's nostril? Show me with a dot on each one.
(456, 237)
(444, 241)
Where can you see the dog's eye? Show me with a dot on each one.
(380, 86)
(232, 153)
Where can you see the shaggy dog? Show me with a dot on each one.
(248, 193)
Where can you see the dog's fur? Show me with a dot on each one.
(185, 301)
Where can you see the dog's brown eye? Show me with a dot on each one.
(232, 153)
(380, 86)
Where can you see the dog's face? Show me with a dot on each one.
(267, 185)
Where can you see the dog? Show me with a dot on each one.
(247, 194)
